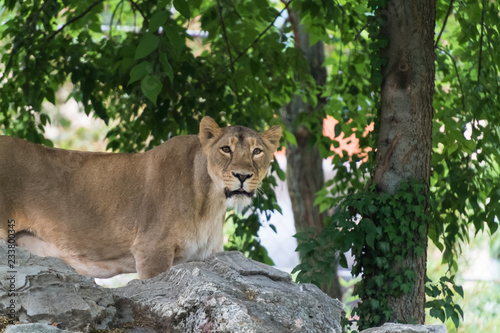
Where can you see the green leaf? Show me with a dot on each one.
(459, 290)
(147, 44)
(151, 87)
(172, 32)
(342, 260)
(455, 319)
(450, 310)
(438, 313)
(281, 174)
(338, 130)
(140, 70)
(451, 149)
(44, 119)
(166, 67)
(182, 6)
(370, 240)
(290, 138)
(157, 20)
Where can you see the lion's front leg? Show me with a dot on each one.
(152, 259)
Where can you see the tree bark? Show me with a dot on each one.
(304, 163)
(405, 136)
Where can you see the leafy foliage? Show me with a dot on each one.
(466, 158)
(443, 307)
(379, 229)
(134, 65)
(465, 161)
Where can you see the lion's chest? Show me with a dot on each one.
(203, 242)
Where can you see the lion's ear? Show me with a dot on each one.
(273, 135)
(208, 130)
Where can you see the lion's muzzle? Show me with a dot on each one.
(239, 191)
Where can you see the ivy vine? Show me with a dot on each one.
(379, 229)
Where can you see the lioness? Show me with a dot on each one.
(106, 214)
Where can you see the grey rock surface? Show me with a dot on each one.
(226, 293)
(403, 328)
(31, 328)
(230, 293)
(46, 290)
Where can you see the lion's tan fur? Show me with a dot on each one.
(106, 213)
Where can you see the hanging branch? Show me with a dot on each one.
(224, 33)
(496, 75)
(456, 72)
(444, 23)
(76, 18)
(113, 17)
(261, 34)
(136, 6)
(480, 46)
(231, 63)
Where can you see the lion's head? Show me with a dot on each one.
(238, 158)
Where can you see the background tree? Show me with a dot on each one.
(405, 134)
(304, 172)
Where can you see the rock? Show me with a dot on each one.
(46, 290)
(31, 328)
(226, 293)
(403, 328)
(230, 293)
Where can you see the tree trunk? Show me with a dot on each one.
(304, 163)
(405, 136)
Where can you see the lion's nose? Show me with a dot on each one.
(242, 177)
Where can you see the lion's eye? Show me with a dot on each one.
(257, 151)
(226, 149)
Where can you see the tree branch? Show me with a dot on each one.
(76, 18)
(224, 33)
(262, 33)
(113, 17)
(497, 76)
(136, 6)
(360, 31)
(456, 72)
(480, 46)
(444, 23)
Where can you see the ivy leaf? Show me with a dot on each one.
(151, 87)
(370, 240)
(147, 44)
